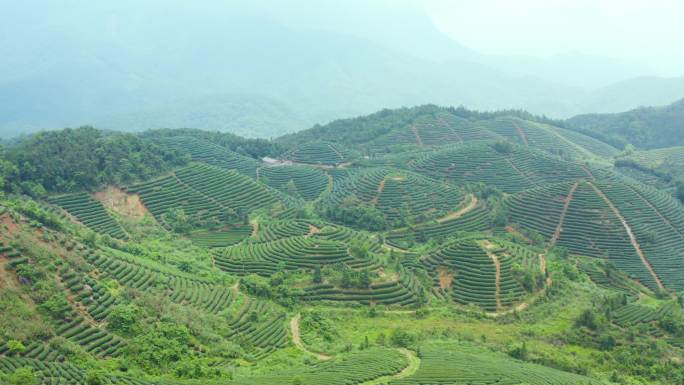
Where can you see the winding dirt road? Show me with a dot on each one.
(297, 339)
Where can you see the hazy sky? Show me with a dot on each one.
(647, 31)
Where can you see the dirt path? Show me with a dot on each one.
(409, 370)
(522, 174)
(524, 305)
(255, 228)
(521, 133)
(339, 155)
(419, 140)
(667, 221)
(566, 205)
(236, 290)
(588, 172)
(542, 263)
(79, 307)
(487, 246)
(381, 188)
(632, 237)
(312, 230)
(459, 213)
(297, 339)
(258, 172)
(451, 129)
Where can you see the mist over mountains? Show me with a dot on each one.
(263, 69)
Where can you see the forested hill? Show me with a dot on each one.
(81, 159)
(365, 128)
(646, 128)
(87, 158)
(431, 126)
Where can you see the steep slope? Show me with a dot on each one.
(205, 151)
(639, 229)
(510, 168)
(398, 196)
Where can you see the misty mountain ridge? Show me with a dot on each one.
(247, 71)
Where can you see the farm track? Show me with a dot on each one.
(665, 220)
(542, 263)
(409, 370)
(297, 339)
(497, 275)
(522, 174)
(459, 213)
(632, 237)
(255, 228)
(524, 305)
(339, 155)
(452, 130)
(419, 140)
(381, 188)
(521, 133)
(566, 205)
(589, 173)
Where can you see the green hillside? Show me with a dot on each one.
(393, 197)
(508, 167)
(431, 126)
(422, 245)
(646, 128)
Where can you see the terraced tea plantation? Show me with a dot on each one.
(359, 368)
(551, 139)
(299, 252)
(90, 212)
(510, 168)
(475, 219)
(398, 195)
(205, 191)
(450, 364)
(476, 272)
(438, 130)
(637, 228)
(418, 246)
(62, 373)
(402, 292)
(319, 153)
(178, 288)
(300, 181)
(221, 238)
(201, 150)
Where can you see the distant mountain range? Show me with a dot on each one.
(245, 68)
(645, 127)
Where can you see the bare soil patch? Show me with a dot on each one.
(446, 278)
(117, 200)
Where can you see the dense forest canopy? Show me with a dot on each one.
(82, 159)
